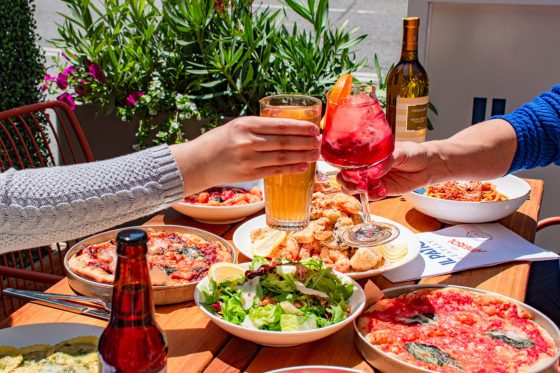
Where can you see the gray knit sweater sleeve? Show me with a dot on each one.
(46, 205)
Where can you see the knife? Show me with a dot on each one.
(70, 303)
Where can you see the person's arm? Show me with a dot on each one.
(46, 205)
(528, 137)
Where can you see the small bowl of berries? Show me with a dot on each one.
(223, 204)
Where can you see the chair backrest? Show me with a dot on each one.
(38, 135)
(30, 137)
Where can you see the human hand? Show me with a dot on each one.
(245, 149)
(409, 169)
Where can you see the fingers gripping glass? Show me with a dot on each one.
(357, 138)
(288, 197)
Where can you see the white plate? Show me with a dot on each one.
(447, 211)
(223, 214)
(49, 333)
(242, 241)
(286, 339)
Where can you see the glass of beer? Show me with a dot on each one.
(288, 197)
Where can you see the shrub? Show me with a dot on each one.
(195, 58)
(22, 68)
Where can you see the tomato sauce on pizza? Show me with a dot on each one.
(181, 258)
(456, 330)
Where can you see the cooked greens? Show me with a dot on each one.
(431, 354)
(511, 339)
(281, 296)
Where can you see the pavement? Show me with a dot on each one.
(379, 19)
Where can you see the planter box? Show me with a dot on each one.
(110, 137)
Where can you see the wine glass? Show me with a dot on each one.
(357, 139)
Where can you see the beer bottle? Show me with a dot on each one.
(132, 342)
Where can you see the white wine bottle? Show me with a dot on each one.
(407, 89)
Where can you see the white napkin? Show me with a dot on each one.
(467, 246)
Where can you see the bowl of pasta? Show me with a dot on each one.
(224, 204)
(458, 201)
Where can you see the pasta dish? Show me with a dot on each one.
(469, 191)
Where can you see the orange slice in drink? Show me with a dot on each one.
(341, 89)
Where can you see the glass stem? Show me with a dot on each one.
(365, 207)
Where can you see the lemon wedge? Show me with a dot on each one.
(394, 253)
(265, 245)
(222, 271)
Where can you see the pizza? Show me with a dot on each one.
(457, 330)
(173, 258)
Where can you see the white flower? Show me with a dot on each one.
(192, 106)
(178, 97)
(123, 119)
(174, 125)
(152, 112)
(161, 95)
(136, 147)
(146, 99)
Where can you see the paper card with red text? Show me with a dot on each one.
(466, 246)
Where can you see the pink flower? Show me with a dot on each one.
(97, 73)
(49, 78)
(132, 99)
(43, 88)
(62, 81)
(68, 99)
(83, 88)
(69, 70)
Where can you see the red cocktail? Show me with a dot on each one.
(357, 138)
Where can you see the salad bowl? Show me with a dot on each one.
(284, 338)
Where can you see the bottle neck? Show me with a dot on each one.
(409, 51)
(132, 291)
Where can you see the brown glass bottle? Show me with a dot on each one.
(132, 342)
(407, 89)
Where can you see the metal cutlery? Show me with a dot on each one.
(71, 303)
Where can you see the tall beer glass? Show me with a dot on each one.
(288, 197)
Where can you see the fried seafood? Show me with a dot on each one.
(331, 215)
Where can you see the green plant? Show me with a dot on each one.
(195, 58)
(22, 67)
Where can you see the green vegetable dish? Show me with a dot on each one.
(281, 296)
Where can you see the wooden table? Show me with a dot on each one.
(196, 344)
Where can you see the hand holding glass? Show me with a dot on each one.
(288, 197)
(357, 138)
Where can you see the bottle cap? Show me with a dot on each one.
(411, 22)
(131, 237)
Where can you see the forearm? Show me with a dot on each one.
(482, 151)
(46, 205)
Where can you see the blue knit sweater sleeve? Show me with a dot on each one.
(537, 125)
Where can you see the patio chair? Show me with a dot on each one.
(38, 135)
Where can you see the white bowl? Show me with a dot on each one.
(285, 339)
(448, 211)
(223, 214)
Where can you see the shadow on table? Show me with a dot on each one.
(190, 341)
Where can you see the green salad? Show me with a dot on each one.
(280, 296)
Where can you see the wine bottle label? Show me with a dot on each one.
(411, 118)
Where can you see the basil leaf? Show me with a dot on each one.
(189, 252)
(431, 354)
(515, 341)
(421, 318)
